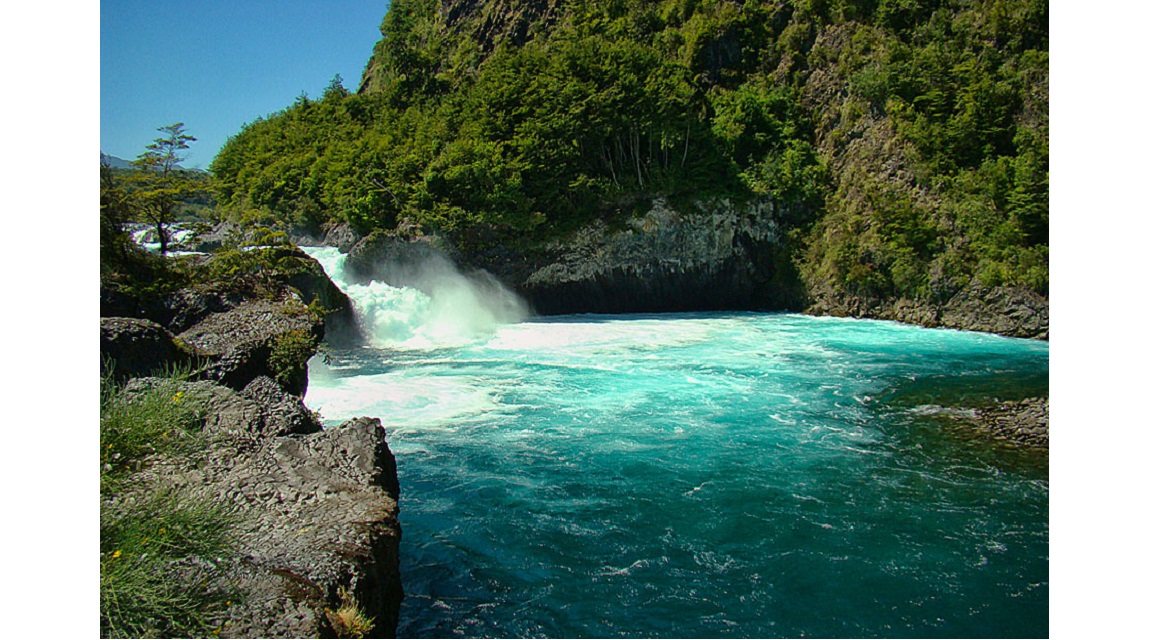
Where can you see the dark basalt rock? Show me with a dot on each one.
(1009, 311)
(399, 261)
(183, 309)
(132, 347)
(240, 343)
(722, 256)
(316, 509)
(340, 235)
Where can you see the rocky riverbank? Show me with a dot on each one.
(314, 512)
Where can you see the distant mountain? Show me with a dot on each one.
(116, 163)
(121, 163)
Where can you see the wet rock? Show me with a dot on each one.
(398, 260)
(1023, 421)
(1009, 311)
(720, 256)
(340, 235)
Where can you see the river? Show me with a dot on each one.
(695, 475)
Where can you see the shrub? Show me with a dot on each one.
(290, 353)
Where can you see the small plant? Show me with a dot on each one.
(290, 353)
(350, 621)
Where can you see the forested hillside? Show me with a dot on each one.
(906, 141)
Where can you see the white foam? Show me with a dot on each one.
(448, 309)
(401, 400)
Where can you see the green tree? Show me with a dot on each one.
(160, 184)
(114, 212)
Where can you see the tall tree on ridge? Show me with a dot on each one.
(161, 183)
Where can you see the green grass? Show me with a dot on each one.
(158, 544)
(161, 421)
(155, 567)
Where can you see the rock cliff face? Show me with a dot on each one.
(1008, 311)
(719, 256)
(488, 23)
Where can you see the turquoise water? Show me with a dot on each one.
(699, 475)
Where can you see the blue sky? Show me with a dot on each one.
(215, 65)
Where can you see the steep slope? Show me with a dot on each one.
(902, 144)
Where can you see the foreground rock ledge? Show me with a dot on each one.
(317, 510)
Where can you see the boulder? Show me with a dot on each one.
(340, 235)
(257, 338)
(399, 261)
(183, 309)
(133, 347)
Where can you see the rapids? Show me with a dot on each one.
(694, 475)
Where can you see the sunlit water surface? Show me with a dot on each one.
(699, 475)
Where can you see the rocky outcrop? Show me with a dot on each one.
(719, 256)
(211, 239)
(315, 510)
(400, 261)
(257, 338)
(489, 24)
(267, 321)
(340, 235)
(265, 272)
(307, 278)
(1009, 311)
(132, 347)
(183, 309)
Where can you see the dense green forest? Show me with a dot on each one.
(906, 140)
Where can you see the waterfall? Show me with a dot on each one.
(445, 308)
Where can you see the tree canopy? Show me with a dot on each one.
(906, 140)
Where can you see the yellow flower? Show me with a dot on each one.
(178, 397)
(115, 554)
